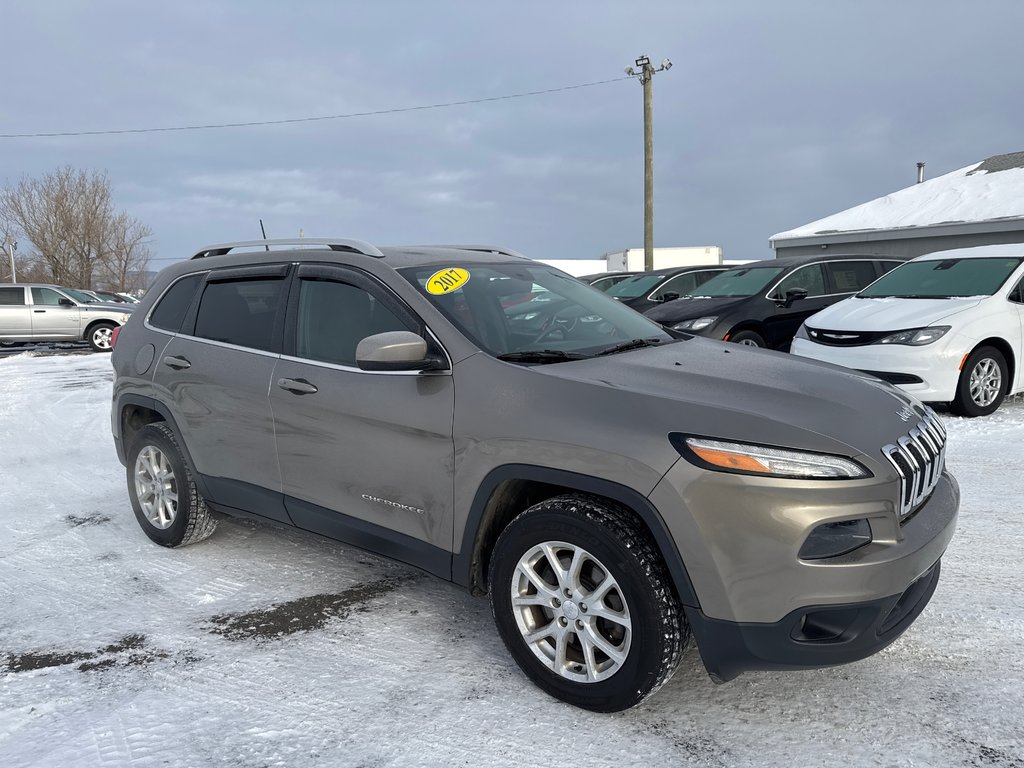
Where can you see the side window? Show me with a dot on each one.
(46, 296)
(170, 310)
(334, 317)
(12, 297)
(240, 312)
(681, 284)
(810, 278)
(850, 276)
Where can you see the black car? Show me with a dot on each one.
(644, 290)
(605, 280)
(763, 303)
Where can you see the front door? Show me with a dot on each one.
(365, 457)
(782, 322)
(52, 320)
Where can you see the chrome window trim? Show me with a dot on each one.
(826, 261)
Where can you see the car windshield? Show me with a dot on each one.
(735, 283)
(532, 313)
(634, 287)
(81, 296)
(942, 279)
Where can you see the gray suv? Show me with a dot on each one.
(39, 312)
(615, 487)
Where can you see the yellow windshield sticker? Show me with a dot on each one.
(447, 280)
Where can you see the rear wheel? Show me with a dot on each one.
(983, 383)
(748, 339)
(584, 604)
(100, 337)
(164, 496)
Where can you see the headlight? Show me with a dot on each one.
(695, 325)
(763, 460)
(916, 337)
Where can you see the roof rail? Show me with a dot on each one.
(483, 249)
(334, 243)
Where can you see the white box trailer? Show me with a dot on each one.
(632, 259)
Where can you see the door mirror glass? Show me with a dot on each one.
(670, 296)
(66, 303)
(395, 351)
(794, 294)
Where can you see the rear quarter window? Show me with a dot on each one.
(171, 308)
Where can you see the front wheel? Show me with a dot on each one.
(584, 604)
(983, 383)
(100, 337)
(748, 339)
(164, 496)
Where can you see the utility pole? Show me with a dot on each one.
(10, 246)
(645, 75)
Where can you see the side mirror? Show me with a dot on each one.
(793, 294)
(670, 296)
(65, 303)
(396, 351)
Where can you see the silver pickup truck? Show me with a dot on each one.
(37, 312)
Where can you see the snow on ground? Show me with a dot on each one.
(268, 647)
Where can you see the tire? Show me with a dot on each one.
(983, 383)
(748, 339)
(99, 335)
(638, 629)
(164, 496)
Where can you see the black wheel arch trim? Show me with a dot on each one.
(463, 561)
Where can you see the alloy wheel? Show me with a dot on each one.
(986, 382)
(156, 487)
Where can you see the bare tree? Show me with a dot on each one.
(68, 217)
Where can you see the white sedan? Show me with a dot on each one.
(945, 327)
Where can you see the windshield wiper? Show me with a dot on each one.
(628, 345)
(541, 356)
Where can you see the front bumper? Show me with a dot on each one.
(937, 366)
(812, 637)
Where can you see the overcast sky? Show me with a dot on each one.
(774, 114)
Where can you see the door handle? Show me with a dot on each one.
(39, 311)
(177, 363)
(297, 386)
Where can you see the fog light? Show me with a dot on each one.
(835, 539)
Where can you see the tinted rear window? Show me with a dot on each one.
(240, 312)
(171, 309)
(12, 297)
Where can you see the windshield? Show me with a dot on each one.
(634, 287)
(81, 296)
(942, 279)
(734, 283)
(532, 313)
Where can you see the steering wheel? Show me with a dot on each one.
(553, 324)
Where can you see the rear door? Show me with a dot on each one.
(215, 375)
(846, 278)
(52, 320)
(365, 457)
(15, 316)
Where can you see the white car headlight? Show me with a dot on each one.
(698, 324)
(916, 337)
(763, 460)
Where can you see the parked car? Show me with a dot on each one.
(763, 303)
(605, 280)
(110, 296)
(649, 289)
(945, 327)
(613, 486)
(33, 312)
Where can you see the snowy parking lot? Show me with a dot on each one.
(269, 647)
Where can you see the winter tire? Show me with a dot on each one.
(748, 339)
(163, 494)
(100, 337)
(984, 380)
(583, 602)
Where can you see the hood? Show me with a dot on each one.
(891, 314)
(733, 392)
(687, 309)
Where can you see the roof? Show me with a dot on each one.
(1015, 250)
(989, 191)
(795, 261)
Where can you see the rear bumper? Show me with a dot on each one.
(811, 637)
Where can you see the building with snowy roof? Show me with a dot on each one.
(982, 204)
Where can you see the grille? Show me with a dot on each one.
(846, 338)
(918, 457)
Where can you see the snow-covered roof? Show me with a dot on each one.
(987, 191)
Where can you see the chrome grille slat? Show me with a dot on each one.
(918, 458)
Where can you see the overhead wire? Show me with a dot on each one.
(293, 120)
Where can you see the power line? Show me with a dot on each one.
(252, 123)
